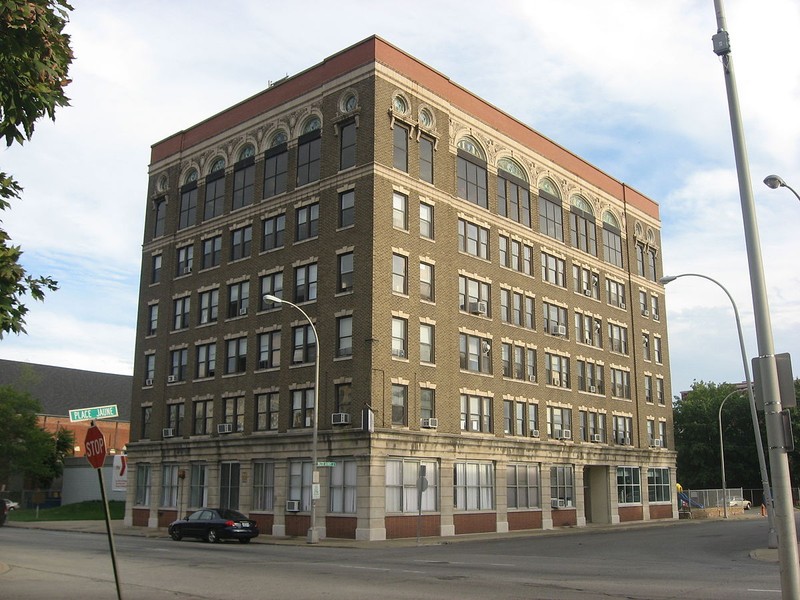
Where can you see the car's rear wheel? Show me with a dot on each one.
(175, 535)
(244, 540)
(212, 536)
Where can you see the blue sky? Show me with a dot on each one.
(632, 87)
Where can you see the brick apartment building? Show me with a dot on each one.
(487, 306)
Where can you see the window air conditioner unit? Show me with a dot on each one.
(627, 441)
(532, 378)
(556, 380)
(340, 419)
(595, 438)
(534, 433)
(430, 423)
(565, 382)
(557, 503)
(592, 389)
(292, 505)
(187, 270)
(167, 432)
(225, 428)
(566, 434)
(398, 352)
(587, 291)
(657, 443)
(558, 330)
(645, 313)
(479, 308)
(242, 311)
(148, 382)
(172, 378)
(622, 305)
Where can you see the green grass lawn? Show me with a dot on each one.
(80, 511)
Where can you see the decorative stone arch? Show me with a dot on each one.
(548, 185)
(469, 144)
(580, 202)
(514, 167)
(217, 163)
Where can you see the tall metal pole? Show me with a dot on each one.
(722, 456)
(313, 533)
(772, 536)
(779, 464)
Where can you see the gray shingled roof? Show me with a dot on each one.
(59, 389)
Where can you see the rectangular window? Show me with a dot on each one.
(347, 208)
(212, 252)
(474, 296)
(473, 486)
(206, 360)
(522, 486)
(267, 411)
(203, 416)
(304, 345)
(273, 232)
(345, 273)
(269, 350)
(475, 353)
(658, 485)
(586, 282)
(399, 274)
(629, 489)
(562, 485)
(660, 390)
(238, 299)
(399, 337)
(215, 195)
(236, 355)
(178, 360)
(300, 483)
(169, 486)
(426, 220)
(209, 306)
(557, 370)
(343, 487)
(516, 255)
(620, 383)
(654, 308)
(426, 278)
(622, 430)
(615, 293)
(618, 338)
(155, 269)
(476, 413)
(244, 175)
(229, 485)
(152, 319)
(402, 492)
(303, 408)
(400, 145)
(180, 313)
(305, 283)
(308, 157)
(646, 346)
(276, 167)
(473, 239)
(612, 245)
(583, 231)
(559, 420)
(184, 263)
(513, 198)
(306, 222)
(149, 368)
(427, 403)
(344, 336)
(553, 270)
(187, 215)
(234, 413)
(143, 474)
(551, 218)
(427, 349)
(471, 179)
(657, 355)
(160, 209)
(263, 485)
(347, 145)
(400, 211)
(147, 416)
(399, 404)
(556, 320)
(198, 485)
(648, 389)
(344, 397)
(241, 241)
(426, 159)
(652, 264)
(271, 284)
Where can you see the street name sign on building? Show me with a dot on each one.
(326, 463)
(95, 412)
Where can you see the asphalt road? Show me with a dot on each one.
(686, 560)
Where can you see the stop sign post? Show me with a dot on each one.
(95, 449)
(95, 445)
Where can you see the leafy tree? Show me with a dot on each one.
(696, 419)
(25, 447)
(34, 62)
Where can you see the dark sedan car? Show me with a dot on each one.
(213, 525)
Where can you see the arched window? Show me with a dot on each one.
(513, 192)
(471, 172)
(612, 239)
(187, 214)
(582, 226)
(215, 190)
(276, 165)
(551, 216)
(309, 148)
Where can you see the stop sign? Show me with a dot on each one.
(95, 445)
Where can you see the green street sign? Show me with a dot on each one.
(326, 463)
(96, 412)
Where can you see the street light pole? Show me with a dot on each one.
(774, 182)
(772, 536)
(313, 533)
(778, 459)
(722, 456)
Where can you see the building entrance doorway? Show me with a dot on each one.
(597, 507)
